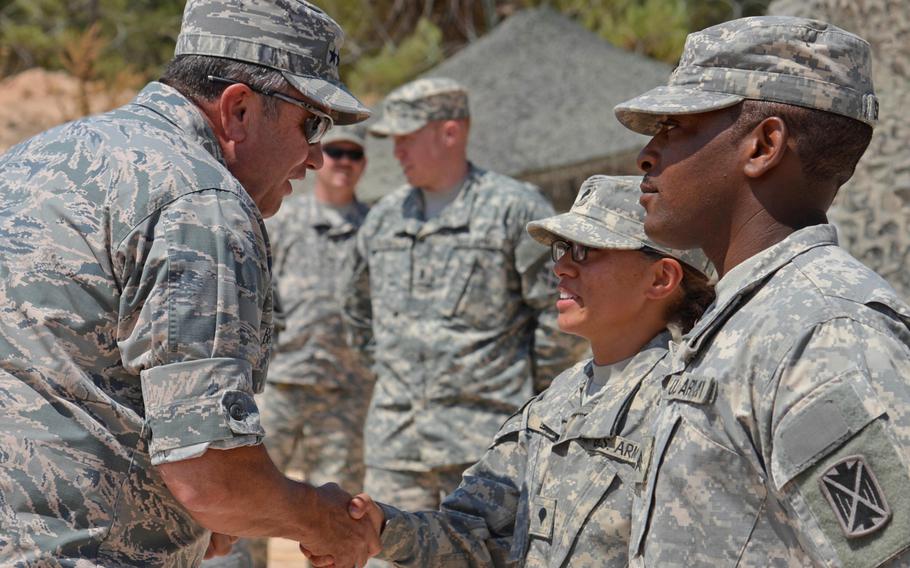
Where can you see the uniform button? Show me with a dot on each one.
(237, 412)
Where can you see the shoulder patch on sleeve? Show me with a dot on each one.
(855, 496)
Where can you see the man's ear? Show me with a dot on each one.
(234, 107)
(666, 276)
(453, 132)
(767, 144)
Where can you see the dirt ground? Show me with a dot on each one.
(284, 554)
(36, 100)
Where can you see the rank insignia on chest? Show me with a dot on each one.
(855, 495)
(688, 388)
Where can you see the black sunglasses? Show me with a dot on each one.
(314, 127)
(558, 249)
(337, 153)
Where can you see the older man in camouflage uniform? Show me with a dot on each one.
(136, 288)
(784, 435)
(318, 387)
(457, 299)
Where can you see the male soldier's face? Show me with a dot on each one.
(420, 154)
(686, 190)
(274, 152)
(343, 164)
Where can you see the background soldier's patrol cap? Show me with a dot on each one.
(413, 105)
(356, 133)
(782, 59)
(606, 215)
(291, 36)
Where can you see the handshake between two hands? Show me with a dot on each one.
(359, 526)
(339, 531)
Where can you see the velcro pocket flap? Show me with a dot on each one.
(820, 423)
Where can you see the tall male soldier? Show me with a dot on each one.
(457, 298)
(137, 308)
(784, 435)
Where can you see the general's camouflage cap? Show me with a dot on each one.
(606, 215)
(291, 36)
(356, 133)
(781, 59)
(413, 105)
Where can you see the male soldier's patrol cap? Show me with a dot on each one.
(356, 133)
(414, 105)
(290, 36)
(782, 59)
(606, 215)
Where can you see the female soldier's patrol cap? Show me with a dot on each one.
(414, 105)
(606, 215)
(290, 36)
(781, 59)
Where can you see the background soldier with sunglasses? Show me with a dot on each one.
(318, 386)
(136, 293)
(454, 299)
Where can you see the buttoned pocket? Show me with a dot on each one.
(478, 283)
(701, 500)
(390, 276)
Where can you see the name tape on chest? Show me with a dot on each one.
(687, 388)
(619, 448)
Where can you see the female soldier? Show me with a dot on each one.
(556, 486)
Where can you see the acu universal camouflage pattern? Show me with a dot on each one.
(310, 242)
(606, 215)
(554, 489)
(138, 321)
(414, 105)
(800, 366)
(459, 314)
(291, 36)
(771, 58)
(803, 361)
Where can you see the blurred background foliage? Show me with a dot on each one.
(123, 43)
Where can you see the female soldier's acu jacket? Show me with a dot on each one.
(554, 489)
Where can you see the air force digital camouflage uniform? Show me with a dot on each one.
(460, 308)
(137, 318)
(555, 488)
(319, 387)
(784, 436)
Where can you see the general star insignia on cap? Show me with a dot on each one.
(855, 495)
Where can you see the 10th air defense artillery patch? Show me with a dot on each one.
(856, 496)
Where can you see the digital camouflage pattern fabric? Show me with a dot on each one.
(310, 242)
(459, 315)
(138, 321)
(556, 486)
(782, 59)
(414, 105)
(291, 36)
(801, 366)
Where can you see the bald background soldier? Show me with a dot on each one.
(318, 387)
(136, 292)
(784, 433)
(453, 299)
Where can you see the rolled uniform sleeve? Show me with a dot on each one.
(475, 524)
(195, 325)
(840, 442)
(554, 351)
